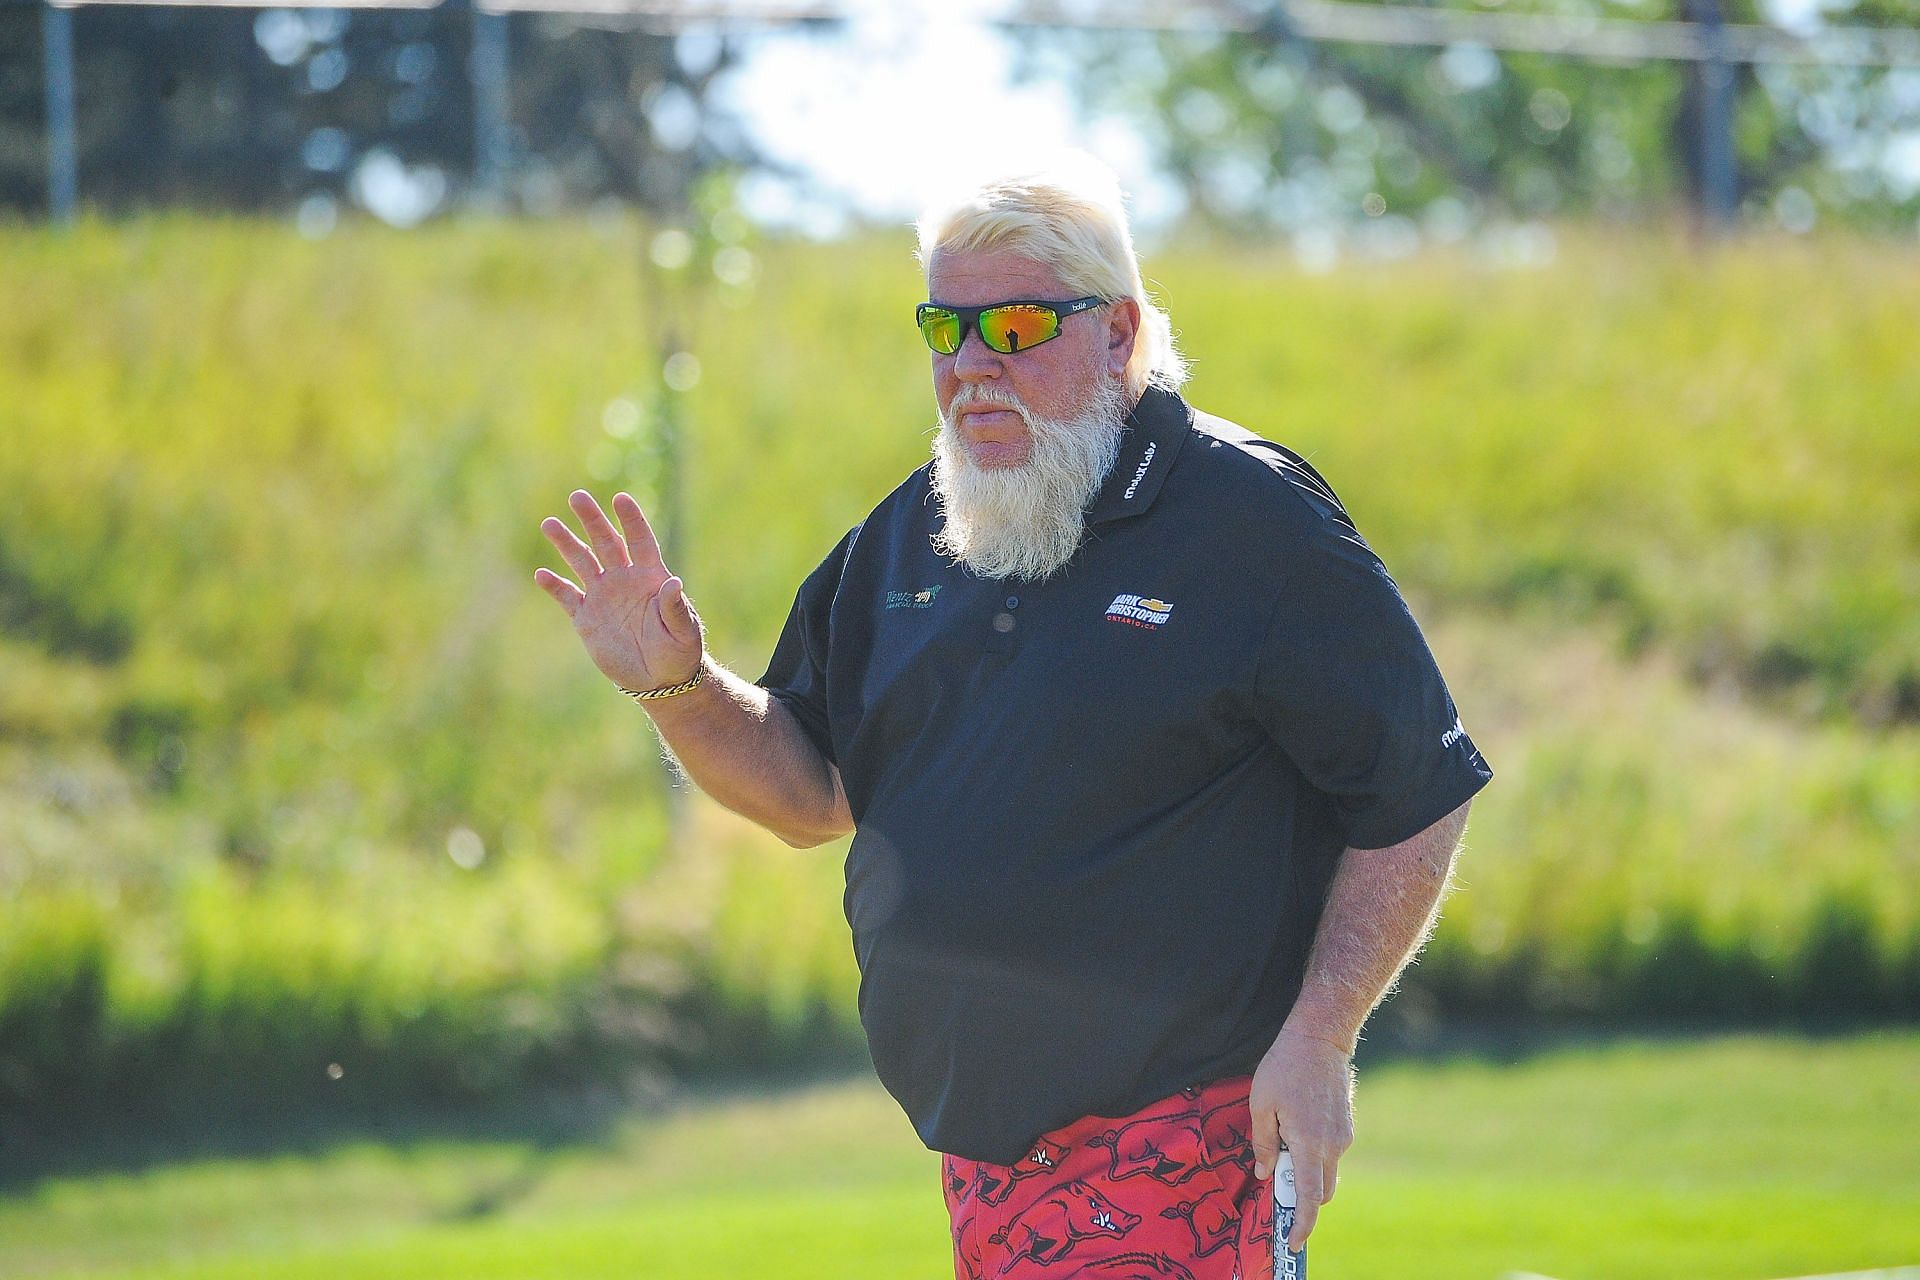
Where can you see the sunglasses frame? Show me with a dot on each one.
(969, 318)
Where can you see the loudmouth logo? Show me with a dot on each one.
(921, 599)
(1453, 735)
(1140, 472)
(1138, 611)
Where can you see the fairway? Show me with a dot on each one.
(1737, 1157)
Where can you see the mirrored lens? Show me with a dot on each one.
(1015, 328)
(941, 329)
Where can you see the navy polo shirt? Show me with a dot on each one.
(1096, 817)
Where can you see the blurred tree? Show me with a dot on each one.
(265, 109)
(621, 112)
(1264, 130)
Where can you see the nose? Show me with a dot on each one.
(975, 360)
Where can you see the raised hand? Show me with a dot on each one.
(631, 614)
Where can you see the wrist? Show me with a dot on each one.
(1324, 1031)
(648, 695)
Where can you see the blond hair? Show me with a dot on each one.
(1069, 214)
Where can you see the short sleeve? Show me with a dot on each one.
(797, 672)
(1348, 688)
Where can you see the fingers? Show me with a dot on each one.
(606, 540)
(642, 546)
(560, 589)
(1303, 1220)
(1313, 1182)
(1266, 1141)
(578, 555)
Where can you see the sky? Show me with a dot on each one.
(903, 102)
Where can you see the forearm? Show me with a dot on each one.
(743, 748)
(1380, 910)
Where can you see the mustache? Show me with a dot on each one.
(986, 396)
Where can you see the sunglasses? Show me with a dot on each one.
(1005, 327)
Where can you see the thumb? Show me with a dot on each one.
(1266, 1141)
(676, 611)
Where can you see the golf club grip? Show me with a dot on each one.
(1287, 1265)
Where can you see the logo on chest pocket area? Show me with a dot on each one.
(921, 599)
(1148, 612)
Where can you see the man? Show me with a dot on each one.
(1154, 784)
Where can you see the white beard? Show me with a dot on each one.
(1025, 521)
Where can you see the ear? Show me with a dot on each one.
(1123, 331)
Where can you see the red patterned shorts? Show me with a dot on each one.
(1167, 1192)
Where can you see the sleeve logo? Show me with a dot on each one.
(1139, 611)
(1453, 735)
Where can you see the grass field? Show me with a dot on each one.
(1727, 1158)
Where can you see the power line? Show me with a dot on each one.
(1619, 40)
(1600, 39)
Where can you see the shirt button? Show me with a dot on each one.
(1013, 602)
(1003, 622)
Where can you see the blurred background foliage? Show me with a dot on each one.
(309, 799)
(260, 109)
(1254, 129)
(1269, 133)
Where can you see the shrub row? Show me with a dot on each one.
(286, 997)
(278, 999)
(1671, 964)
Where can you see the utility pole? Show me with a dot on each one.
(487, 71)
(1713, 96)
(63, 164)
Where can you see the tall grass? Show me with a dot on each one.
(271, 657)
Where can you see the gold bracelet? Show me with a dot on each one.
(643, 695)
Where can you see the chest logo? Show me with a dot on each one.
(1148, 612)
(921, 599)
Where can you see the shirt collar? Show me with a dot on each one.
(1157, 426)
